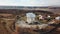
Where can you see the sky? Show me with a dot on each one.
(29, 2)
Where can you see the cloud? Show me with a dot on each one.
(29, 2)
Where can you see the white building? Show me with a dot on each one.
(30, 17)
(41, 17)
(57, 18)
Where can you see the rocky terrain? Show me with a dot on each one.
(8, 18)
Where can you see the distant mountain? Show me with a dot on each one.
(19, 9)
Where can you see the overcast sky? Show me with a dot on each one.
(29, 2)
